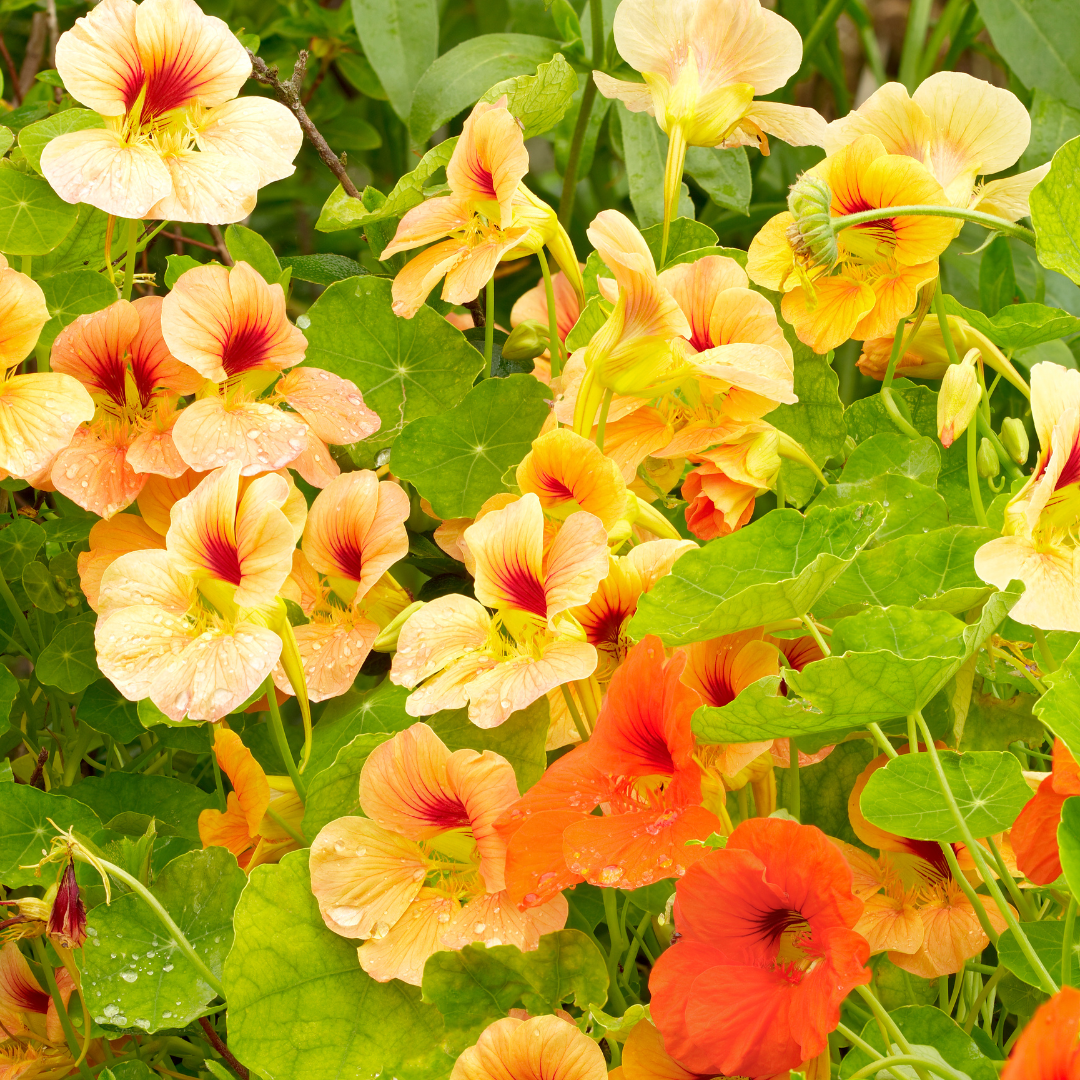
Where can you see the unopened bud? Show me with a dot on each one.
(811, 235)
(526, 341)
(957, 400)
(987, 461)
(67, 920)
(1014, 438)
(387, 640)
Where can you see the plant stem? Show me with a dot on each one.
(489, 326)
(618, 946)
(581, 127)
(792, 791)
(822, 25)
(17, 614)
(129, 261)
(1018, 899)
(554, 343)
(882, 1016)
(568, 697)
(989, 221)
(912, 735)
(988, 986)
(973, 475)
(673, 173)
(1067, 942)
(61, 1010)
(1009, 467)
(298, 837)
(882, 741)
(216, 1041)
(1048, 658)
(277, 733)
(1030, 954)
(601, 424)
(887, 400)
(914, 37)
(864, 1046)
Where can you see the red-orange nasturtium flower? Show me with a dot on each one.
(1034, 833)
(263, 813)
(1048, 1048)
(455, 652)
(639, 767)
(355, 532)
(766, 952)
(230, 325)
(119, 355)
(540, 1048)
(40, 412)
(174, 144)
(879, 266)
(425, 869)
(26, 1010)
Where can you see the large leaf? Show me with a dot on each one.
(1068, 835)
(69, 661)
(538, 101)
(400, 40)
(105, 709)
(405, 368)
(644, 150)
(82, 249)
(25, 813)
(724, 175)
(171, 801)
(458, 78)
(477, 985)
(19, 544)
(335, 791)
(457, 459)
(69, 294)
(133, 973)
(1059, 707)
(1047, 939)
(1053, 124)
(1055, 212)
(33, 218)
(1018, 326)
(825, 786)
(285, 964)
(776, 568)
(906, 798)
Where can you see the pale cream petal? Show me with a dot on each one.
(134, 644)
(108, 541)
(39, 414)
(96, 167)
(262, 130)
(22, 315)
(402, 953)
(654, 559)
(437, 634)
(155, 452)
(98, 58)
(892, 116)
(315, 463)
(1008, 198)
(1054, 390)
(637, 97)
(210, 434)
(740, 41)
(265, 540)
(332, 654)
(149, 578)
(489, 160)
(576, 562)
(93, 471)
(331, 406)
(759, 369)
(795, 125)
(450, 688)
(1051, 577)
(208, 187)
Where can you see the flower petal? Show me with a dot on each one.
(207, 187)
(1008, 197)
(93, 470)
(257, 128)
(402, 953)
(108, 541)
(1051, 599)
(22, 315)
(890, 114)
(839, 305)
(332, 654)
(492, 919)
(439, 633)
(576, 563)
(39, 415)
(98, 58)
(419, 276)
(331, 406)
(794, 124)
(637, 97)
(245, 774)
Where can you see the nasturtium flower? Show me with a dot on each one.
(119, 355)
(539, 1048)
(1048, 1047)
(766, 952)
(704, 62)
(425, 868)
(1040, 542)
(27, 1011)
(880, 265)
(22, 315)
(175, 144)
(639, 767)
(263, 814)
(960, 128)
(1034, 833)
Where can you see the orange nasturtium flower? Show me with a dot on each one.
(39, 412)
(1048, 1048)
(263, 814)
(1040, 542)
(488, 216)
(425, 869)
(639, 765)
(173, 144)
(1034, 833)
(119, 355)
(540, 1048)
(199, 626)
(34, 1043)
(497, 664)
(879, 266)
(766, 953)
(704, 62)
(229, 324)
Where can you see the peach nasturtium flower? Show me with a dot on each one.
(455, 652)
(704, 62)
(540, 1048)
(230, 325)
(34, 1043)
(879, 266)
(424, 869)
(1040, 542)
(119, 355)
(175, 144)
(40, 412)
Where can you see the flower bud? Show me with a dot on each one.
(67, 920)
(1014, 437)
(812, 236)
(387, 640)
(957, 399)
(986, 460)
(527, 340)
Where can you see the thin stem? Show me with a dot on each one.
(489, 326)
(882, 740)
(973, 475)
(953, 13)
(917, 1063)
(865, 1047)
(673, 172)
(297, 836)
(912, 735)
(1018, 899)
(815, 633)
(639, 935)
(601, 424)
(618, 946)
(218, 783)
(1048, 658)
(894, 354)
(17, 614)
(572, 709)
(216, 1041)
(989, 221)
(897, 416)
(987, 989)
(943, 322)
(1009, 467)
(25, 264)
(554, 343)
(1030, 954)
(61, 1011)
(277, 733)
(129, 261)
(881, 1014)
(588, 97)
(1067, 942)
(792, 793)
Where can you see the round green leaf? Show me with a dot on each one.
(1047, 939)
(335, 791)
(25, 813)
(1055, 213)
(19, 544)
(105, 709)
(40, 586)
(33, 218)
(169, 800)
(69, 661)
(68, 295)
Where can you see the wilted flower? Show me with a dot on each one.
(67, 919)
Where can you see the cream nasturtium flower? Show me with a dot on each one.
(960, 128)
(704, 62)
(175, 145)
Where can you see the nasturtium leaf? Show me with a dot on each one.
(538, 101)
(9, 690)
(1059, 707)
(905, 797)
(33, 218)
(825, 786)
(69, 294)
(82, 248)
(685, 235)
(1053, 123)
(357, 713)
(40, 587)
(133, 1070)
(932, 1035)
(7, 137)
(890, 452)
(335, 791)
(323, 269)
(925, 570)
(910, 634)
(34, 138)
(68, 530)
(994, 723)
(1047, 939)
(775, 568)
(286, 964)
(645, 150)
(997, 276)
(69, 661)
(457, 78)
(134, 974)
(19, 544)
(1055, 213)
(1068, 836)
(405, 368)
(178, 265)
(171, 801)
(25, 813)
(592, 317)
(400, 40)
(1018, 326)
(456, 460)
(910, 507)
(246, 245)
(724, 175)
(477, 985)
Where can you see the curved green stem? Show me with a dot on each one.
(618, 946)
(489, 327)
(977, 217)
(74, 1046)
(1067, 943)
(881, 1014)
(129, 261)
(917, 1063)
(554, 343)
(984, 993)
(277, 733)
(973, 474)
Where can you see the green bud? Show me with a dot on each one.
(811, 235)
(526, 341)
(986, 460)
(1014, 437)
